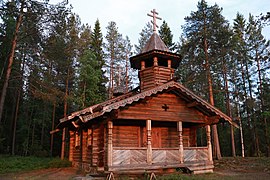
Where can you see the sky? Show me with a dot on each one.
(131, 15)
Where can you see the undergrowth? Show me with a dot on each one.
(10, 164)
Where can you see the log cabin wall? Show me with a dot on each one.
(162, 107)
(134, 135)
(71, 145)
(77, 153)
(98, 146)
(154, 76)
(126, 136)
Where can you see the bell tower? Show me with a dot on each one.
(156, 64)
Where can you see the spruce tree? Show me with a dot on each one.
(166, 36)
(96, 48)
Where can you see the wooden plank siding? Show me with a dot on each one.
(152, 109)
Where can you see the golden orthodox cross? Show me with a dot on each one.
(154, 16)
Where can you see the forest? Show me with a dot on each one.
(51, 64)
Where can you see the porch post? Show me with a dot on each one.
(149, 145)
(209, 145)
(180, 136)
(110, 145)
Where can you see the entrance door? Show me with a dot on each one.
(156, 137)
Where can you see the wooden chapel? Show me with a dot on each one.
(150, 128)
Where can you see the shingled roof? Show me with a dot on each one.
(155, 47)
(98, 110)
(155, 43)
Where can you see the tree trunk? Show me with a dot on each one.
(257, 145)
(228, 106)
(263, 104)
(53, 119)
(216, 146)
(43, 126)
(126, 73)
(10, 60)
(15, 123)
(65, 115)
(111, 85)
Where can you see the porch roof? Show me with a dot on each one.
(98, 110)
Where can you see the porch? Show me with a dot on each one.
(151, 158)
(196, 159)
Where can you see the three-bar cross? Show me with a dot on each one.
(154, 15)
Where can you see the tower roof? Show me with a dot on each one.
(155, 47)
(155, 43)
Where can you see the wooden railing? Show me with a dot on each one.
(136, 156)
(195, 154)
(129, 156)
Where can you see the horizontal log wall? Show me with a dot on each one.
(162, 137)
(98, 146)
(152, 109)
(126, 136)
(77, 156)
(153, 76)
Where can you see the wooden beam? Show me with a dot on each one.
(110, 145)
(213, 119)
(74, 124)
(149, 144)
(209, 145)
(82, 119)
(54, 131)
(180, 135)
(192, 104)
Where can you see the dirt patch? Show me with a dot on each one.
(243, 168)
(227, 168)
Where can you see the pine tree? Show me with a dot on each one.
(145, 35)
(202, 46)
(114, 54)
(258, 52)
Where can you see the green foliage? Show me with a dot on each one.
(166, 35)
(145, 35)
(10, 164)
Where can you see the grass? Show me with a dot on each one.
(11, 164)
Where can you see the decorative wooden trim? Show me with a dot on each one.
(192, 104)
(213, 119)
(181, 147)
(110, 145)
(74, 124)
(209, 145)
(149, 144)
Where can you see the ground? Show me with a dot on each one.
(227, 168)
